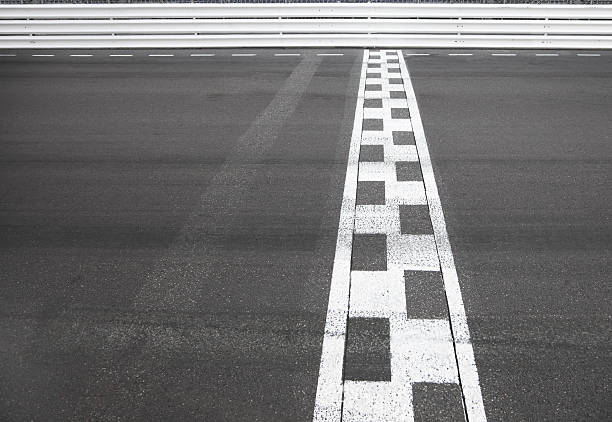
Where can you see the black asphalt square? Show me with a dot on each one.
(414, 219)
(372, 153)
(400, 113)
(403, 137)
(372, 103)
(437, 402)
(368, 350)
(425, 295)
(373, 87)
(408, 171)
(369, 252)
(371, 193)
(372, 124)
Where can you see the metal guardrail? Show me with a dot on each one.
(305, 25)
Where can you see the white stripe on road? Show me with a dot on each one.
(546, 54)
(588, 54)
(416, 54)
(43, 55)
(8, 55)
(81, 55)
(120, 55)
(243, 54)
(328, 403)
(330, 54)
(460, 54)
(464, 352)
(161, 55)
(286, 54)
(503, 54)
(202, 55)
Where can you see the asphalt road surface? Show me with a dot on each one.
(169, 221)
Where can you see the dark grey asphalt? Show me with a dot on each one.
(168, 228)
(522, 152)
(138, 281)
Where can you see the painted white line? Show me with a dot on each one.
(588, 54)
(416, 54)
(120, 55)
(328, 403)
(503, 54)
(161, 55)
(286, 54)
(243, 54)
(81, 55)
(8, 55)
(460, 54)
(546, 54)
(202, 55)
(43, 55)
(330, 54)
(468, 374)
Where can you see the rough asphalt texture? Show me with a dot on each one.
(153, 270)
(522, 152)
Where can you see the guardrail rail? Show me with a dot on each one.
(193, 25)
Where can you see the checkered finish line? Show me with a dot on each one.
(396, 344)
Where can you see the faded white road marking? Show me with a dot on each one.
(588, 54)
(286, 54)
(243, 54)
(503, 54)
(202, 55)
(161, 55)
(417, 54)
(120, 55)
(460, 54)
(8, 55)
(43, 55)
(464, 352)
(330, 54)
(81, 55)
(421, 350)
(546, 54)
(163, 289)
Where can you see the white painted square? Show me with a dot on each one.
(372, 171)
(377, 219)
(366, 401)
(377, 294)
(422, 351)
(405, 193)
(395, 153)
(412, 252)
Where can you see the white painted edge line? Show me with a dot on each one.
(468, 374)
(330, 54)
(43, 55)
(161, 55)
(8, 55)
(588, 54)
(503, 54)
(328, 402)
(460, 54)
(547, 55)
(243, 54)
(202, 55)
(417, 54)
(81, 55)
(120, 55)
(286, 54)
